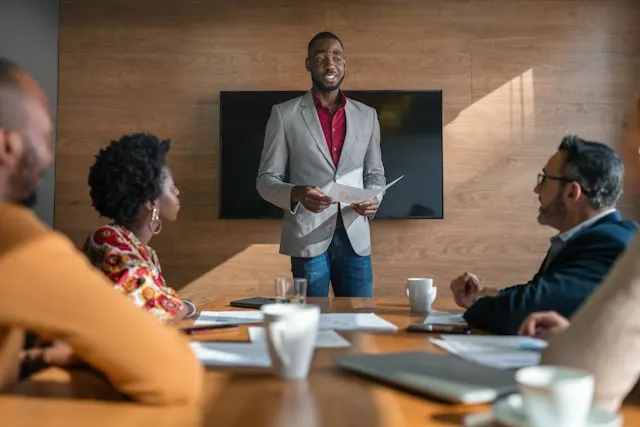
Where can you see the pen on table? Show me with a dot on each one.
(209, 328)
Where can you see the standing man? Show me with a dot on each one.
(320, 138)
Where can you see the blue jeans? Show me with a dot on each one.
(350, 274)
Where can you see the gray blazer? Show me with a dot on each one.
(294, 139)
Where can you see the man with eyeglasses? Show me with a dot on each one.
(577, 190)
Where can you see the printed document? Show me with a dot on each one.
(355, 322)
(504, 352)
(347, 194)
(324, 339)
(333, 321)
(229, 317)
(231, 354)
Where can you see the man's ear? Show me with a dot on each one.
(11, 148)
(306, 65)
(573, 191)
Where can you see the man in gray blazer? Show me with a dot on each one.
(321, 138)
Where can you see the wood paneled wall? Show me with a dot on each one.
(517, 75)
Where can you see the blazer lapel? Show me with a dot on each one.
(351, 115)
(313, 123)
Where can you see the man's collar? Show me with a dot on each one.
(342, 99)
(565, 236)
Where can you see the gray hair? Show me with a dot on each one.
(596, 167)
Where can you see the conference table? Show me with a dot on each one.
(254, 397)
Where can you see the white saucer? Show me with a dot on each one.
(509, 412)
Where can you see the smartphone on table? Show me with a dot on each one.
(431, 328)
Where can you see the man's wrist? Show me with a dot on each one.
(486, 292)
(295, 195)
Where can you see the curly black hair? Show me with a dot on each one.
(127, 174)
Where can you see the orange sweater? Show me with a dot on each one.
(49, 287)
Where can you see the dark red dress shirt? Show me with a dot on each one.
(334, 126)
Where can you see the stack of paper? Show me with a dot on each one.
(499, 351)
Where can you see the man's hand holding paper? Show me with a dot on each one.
(367, 208)
(311, 197)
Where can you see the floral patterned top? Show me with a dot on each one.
(134, 269)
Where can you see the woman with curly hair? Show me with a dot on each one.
(131, 185)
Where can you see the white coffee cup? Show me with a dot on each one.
(291, 331)
(421, 293)
(555, 396)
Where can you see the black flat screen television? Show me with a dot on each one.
(410, 140)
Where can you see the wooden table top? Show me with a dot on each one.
(254, 397)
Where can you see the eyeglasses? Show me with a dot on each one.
(542, 177)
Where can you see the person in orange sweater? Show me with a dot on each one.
(49, 287)
(132, 185)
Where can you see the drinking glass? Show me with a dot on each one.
(300, 291)
(284, 290)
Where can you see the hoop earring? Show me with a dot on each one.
(155, 225)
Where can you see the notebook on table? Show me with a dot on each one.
(446, 377)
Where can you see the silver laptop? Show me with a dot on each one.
(445, 377)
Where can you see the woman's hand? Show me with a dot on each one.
(543, 324)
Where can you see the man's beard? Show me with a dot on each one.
(323, 87)
(28, 179)
(554, 212)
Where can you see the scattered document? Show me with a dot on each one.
(324, 339)
(355, 322)
(513, 342)
(449, 318)
(347, 194)
(231, 354)
(334, 321)
(504, 352)
(228, 317)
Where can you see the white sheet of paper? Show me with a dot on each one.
(437, 317)
(325, 339)
(499, 351)
(347, 194)
(496, 357)
(228, 317)
(513, 342)
(231, 354)
(335, 321)
(355, 322)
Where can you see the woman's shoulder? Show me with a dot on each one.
(110, 236)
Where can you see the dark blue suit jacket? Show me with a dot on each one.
(571, 276)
